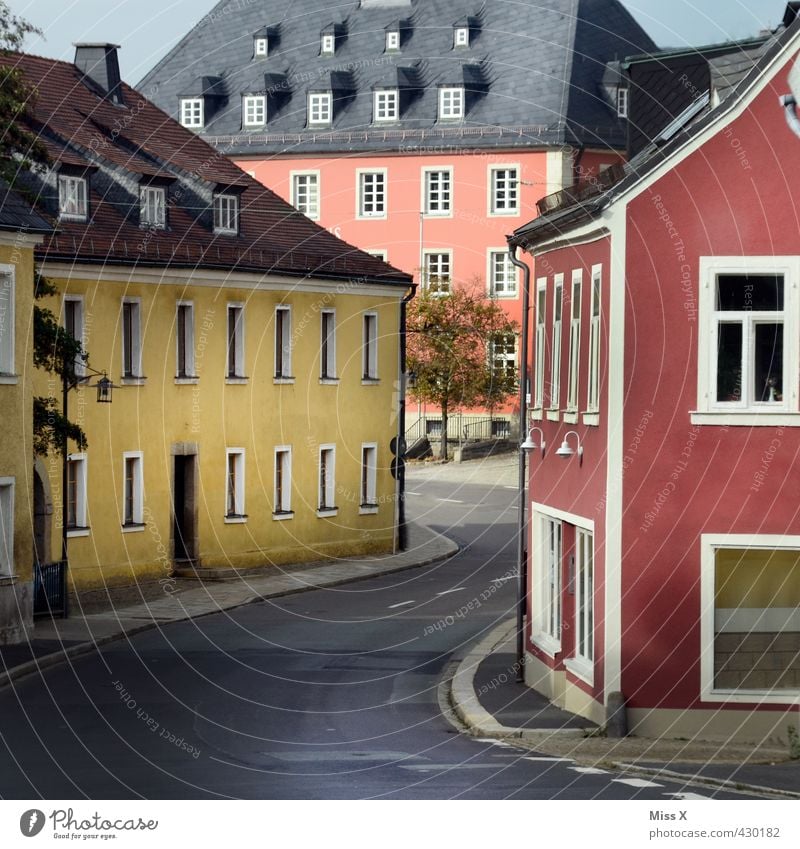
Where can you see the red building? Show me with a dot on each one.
(664, 546)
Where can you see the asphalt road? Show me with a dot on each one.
(322, 695)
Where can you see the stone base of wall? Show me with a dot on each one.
(16, 611)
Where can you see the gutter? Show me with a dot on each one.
(402, 525)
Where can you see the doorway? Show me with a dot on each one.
(184, 514)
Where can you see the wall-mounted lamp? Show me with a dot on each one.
(529, 444)
(789, 101)
(566, 451)
(104, 389)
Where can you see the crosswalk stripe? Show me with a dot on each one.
(636, 782)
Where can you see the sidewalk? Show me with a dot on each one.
(489, 701)
(56, 640)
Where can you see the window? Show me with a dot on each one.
(370, 349)
(502, 275)
(153, 209)
(750, 618)
(546, 618)
(503, 353)
(327, 479)
(504, 191)
(538, 383)
(437, 272)
(386, 105)
(76, 494)
(7, 312)
(283, 342)
(260, 47)
(574, 342)
(72, 198)
(371, 194)
(226, 214)
(369, 478)
(234, 485)
(555, 365)
(584, 598)
(622, 102)
(328, 45)
(305, 193)
(132, 491)
(254, 110)
(236, 341)
(461, 37)
(192, 112)
(593, 391)
(327, 349)
(320, 108)
(283, 482)
(451, 103)
(392, 40)
(184, 347)
(6, 527)
(73, 324)
(437, 188)
(131, 340)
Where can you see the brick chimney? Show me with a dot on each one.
(100, 68)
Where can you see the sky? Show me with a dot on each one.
(147, 29)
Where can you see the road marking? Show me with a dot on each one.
(440, 767)
(456, 590)
(409, 492)
(636, 782)
(557, 760)
(401, 604)
(589, 770)
(515, 488)
(500, 743)
(451, 500)
(686, 796)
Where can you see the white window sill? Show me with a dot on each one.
(581, 669)
(504, 296)
(547, 644)
(571, 417)
(553, 414)
(283, 381)
(536, 414)
(591, 419)
(329, 381)
(187, 381)
(8, 580)
(283, 516)
(134, 528)
(133, 381)
(381, 217)
(370, 381)
(327, 513)
(237, 381)
(448, 214)
(238, 519)
(786, 697)
(504, 214)
(368, 510)
(78, 532)
(750, 418)
(9, 379)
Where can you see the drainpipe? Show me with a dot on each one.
(523, 433)
(402, 527)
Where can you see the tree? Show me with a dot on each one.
(21, 151)
(452, 343)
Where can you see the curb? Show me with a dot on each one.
(469, 709)
(46, 661)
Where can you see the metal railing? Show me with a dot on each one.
(460, 428)
(50, 589)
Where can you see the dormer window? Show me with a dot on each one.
(622, 102)
(254, 110)
(328, 45)
(226, 214)
(392, 39)
(451, 103)
(260, 46)
(72, 198)
(320, 108)
(386, 105)
(153, 207)
(461, 37)
(192, 112)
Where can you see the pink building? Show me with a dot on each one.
(664, 546)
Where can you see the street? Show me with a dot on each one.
(329, 694)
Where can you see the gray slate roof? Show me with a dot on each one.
(534, 71)
(17, 214)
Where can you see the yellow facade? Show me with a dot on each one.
(181, 429)
(16, 465)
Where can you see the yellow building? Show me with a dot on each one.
(254, 356)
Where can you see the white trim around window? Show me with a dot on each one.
(595, 322)
(254, 110)
(392, 40)
(326, 494)
(503, 184)
(371, 193)
(540, 344)
(192, 109)
(282, 488)
(132, 491)
(73, 322)
(502, 274)
(437, 191)
(7, 485)
(582, 663)
(234, 486)
(8, 308)
(283, 344)
(153, 207)
(451, 103)
(131, 317)
(234, 371)
(385, 105)
(574, 362)
(226, 214)
(555, 347)
(368, 499)
(77, 512)
(184, 343)
(305, 192)
(369, 349)
(320, 108)
(260, 46)
(73, 197)
(437, 271)
(327, 347)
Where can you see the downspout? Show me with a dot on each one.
(402, 527)
(522, 489)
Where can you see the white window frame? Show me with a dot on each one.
(385, 105)
(581, 664)
(431, 182)
(509, 204)
(283, 344)
(327, 45)
(226, 214)
(187, 331)
(434, 266)
(451, 103)
(510, 282)
(623, 102)
(555, 347)
(132, 340)
(461, 37)
(320, 108)
(327, 346)
(373, 195)
(379, 254)
(500, 358)
(368, 481)
(234, 348)
(369, 348)
(595, 322)
(254, 110)
(78, 462)
(8, 310)
(7, 527)
(78, 331)
(282, 506)
(540, 344)
(392, 40)
(709, 543)
(326, 481)
(305, 193)
(260, 46)
(546, 603)
(235, 495)
(574, 363)
(153, 207)
(192, 112)
(137, 523)
(73, 198)
(712, 412)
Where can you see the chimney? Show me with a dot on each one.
(100, 68)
